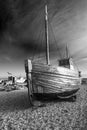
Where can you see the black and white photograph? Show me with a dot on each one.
(43, 64)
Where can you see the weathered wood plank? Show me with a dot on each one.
(52, 79)
(28, 69)
(54, 70)
(54, 75)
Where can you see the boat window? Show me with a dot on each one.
(65, 63)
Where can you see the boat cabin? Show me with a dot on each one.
(64, 63)
(67, 63)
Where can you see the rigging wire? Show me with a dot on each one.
(55, 39)
(41, 45)
(36, 47)
(41, 33)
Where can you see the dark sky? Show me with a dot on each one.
(22, 32)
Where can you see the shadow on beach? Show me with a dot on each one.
(18, 100)
(14, 100)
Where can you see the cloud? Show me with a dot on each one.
(23, 29)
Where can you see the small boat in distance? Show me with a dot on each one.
(45, 79)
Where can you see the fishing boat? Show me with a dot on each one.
(45, 79)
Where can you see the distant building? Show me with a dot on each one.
(11, 78)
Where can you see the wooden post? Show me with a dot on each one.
(28, 70)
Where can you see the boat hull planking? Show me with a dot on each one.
(47, 79)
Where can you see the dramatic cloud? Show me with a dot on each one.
(22, 30)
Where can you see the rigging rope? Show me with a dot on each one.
(42, 39)
(55, 39)
(37, 47)
(41, 36)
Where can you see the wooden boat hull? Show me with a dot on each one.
(62, 95)
(46, 79)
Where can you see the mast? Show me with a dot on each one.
(67, 52)
(46, 34)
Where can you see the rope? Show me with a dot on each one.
(42, 39)
(55, 39)
(42, 36)
(37, 48)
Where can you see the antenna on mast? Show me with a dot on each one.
(67, 52)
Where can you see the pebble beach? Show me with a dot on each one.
(16, 113)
